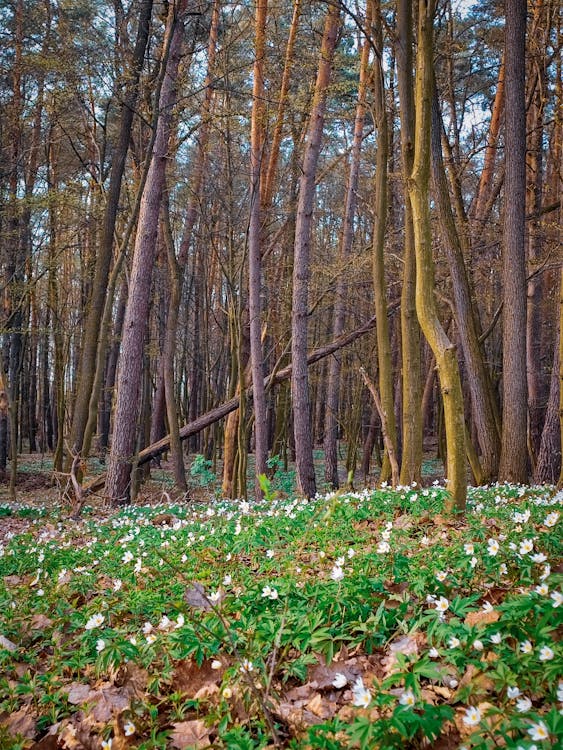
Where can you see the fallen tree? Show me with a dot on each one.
(221, 411)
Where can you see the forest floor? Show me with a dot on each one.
(361, 619)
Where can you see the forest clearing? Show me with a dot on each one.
(281, 402)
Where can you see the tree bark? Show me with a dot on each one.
(136, 316)
(301, 270)
(514, 449)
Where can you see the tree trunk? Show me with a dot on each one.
(136, 315)
(514, 449)
(88, 356)
(301, 264)
(442, 347)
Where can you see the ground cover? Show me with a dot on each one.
(359, 620)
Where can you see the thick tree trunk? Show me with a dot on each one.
(411, 462)
(254, 251)
(514, 449)
(301, 269)
(88, 356)
(136, 315)
(442, 347)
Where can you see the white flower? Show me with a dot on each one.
(129, 728)
(473, 562)
(227, 580)
(106, 744)
(512, 692)
(442, 604)
(538, 731)
(433, 653)
(551, 519)
(216, 664)
(454, 642)
(214, 597)
(469, 548)
(496, 638)
(478, 645)
(360, 694)
(546, 572)
(270, 553)
(40, 592)
(337, 574)
(351, 552)
(138, 565)
(523, 704)
(117, 584)
(441, 575)
(539, 557)
(407, 698)
(472, 716)
(503, 569)
(244, 507)
(546, 653)
(382, 548)
(492, 547)
(147, 628)
(94, 622)
(560, 692)
(127, 557)
(557, 597)
(180, 620)
(165, 623)
(542, 589)
(151, 638)
(247, 666)
(526, 546)
(487, 607)
(100, 645)
(526, 647)
(340, 680)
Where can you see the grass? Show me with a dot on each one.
(360, 620)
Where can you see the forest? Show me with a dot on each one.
(281, 403)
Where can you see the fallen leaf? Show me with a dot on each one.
(21, 722)
(40, 622)
(7, 644)
(322, 708)
(190, 734)
(482, 617)
(78, 693)
(189, 678)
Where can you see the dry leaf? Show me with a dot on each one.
(196, 597)
(190, 734)
(78, 693)
(322, 708)
(7, 644)
(40, 622)
(407, 646)
(482, 617)
(21, 722)
(189, 679)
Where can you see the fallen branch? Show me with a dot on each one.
(221, 411)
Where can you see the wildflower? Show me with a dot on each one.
(454, 642)
(94, 622)
(138, 565)
(244, 507)
(473, 562)
(216, 664)
(100, 645)
(127, 557)
(487, 607)
(147, 628)
(560, 692)
(117, 584)
(227, 580)
(40, 592)
(247, 666)
(129, 728)
(337, 574)
(433, 653)
(441, 575)
(546, 572)
(382, 548)
(351, 552)
(551, 519)
(538, 731)
(151, 638)
(469, 548)
(526, 546)
(503, 569)
(542, 589)
(478, 645)
(270, 553)
(492, 547)
(214, 597)
(442, 604)
(557, 598)
(106, 744)
(407, 698)
(512, 692)
(546, 653)
(340, 680)
(526, 647)
(227, 693)
(523, 704)
(165, 623)
(496, 638)
(539, 557)
(472, 716)
(360, 694)
(180, 620)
